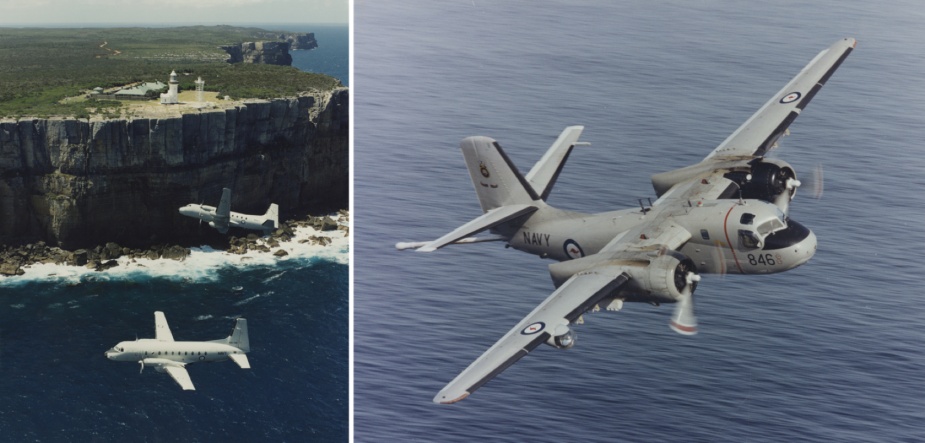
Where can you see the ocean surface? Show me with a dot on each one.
(330, 57)
(57, 321)
(830, 351)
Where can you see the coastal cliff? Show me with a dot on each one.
(270, 53)
(77, 183)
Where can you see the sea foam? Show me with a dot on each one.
(201, 265)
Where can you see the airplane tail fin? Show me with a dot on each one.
(271, 217)
(224, 206)
(496, 180)
(238, 337)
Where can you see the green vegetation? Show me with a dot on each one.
(41, 67)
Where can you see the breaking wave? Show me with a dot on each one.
(201, 265)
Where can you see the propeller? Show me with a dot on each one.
(142, 366)
(683, 320)
(816, 182)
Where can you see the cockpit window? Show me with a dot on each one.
(747, 219)
(771, 226)
(749, 239)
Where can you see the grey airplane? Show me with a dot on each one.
(728, 213)
(166, 355)
(221, 218)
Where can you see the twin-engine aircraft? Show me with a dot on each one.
(221, 218)
(166, 355)
(727, 214)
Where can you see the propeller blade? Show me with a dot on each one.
(683, 321)
(142, 366)
(816, 182)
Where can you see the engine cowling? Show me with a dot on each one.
(665, 277)
(768, 179)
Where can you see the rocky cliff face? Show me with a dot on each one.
(300, 41)
(77, 183)
(271, 53)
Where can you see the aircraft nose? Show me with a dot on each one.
(806, 249)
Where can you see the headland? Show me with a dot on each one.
(80, 172)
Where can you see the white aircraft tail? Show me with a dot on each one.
(497, 181)
(224, 205)
(238, 337)
(271, 218)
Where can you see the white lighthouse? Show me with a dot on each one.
(170, 98)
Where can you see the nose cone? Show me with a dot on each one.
(794, 245)
(187, 211)
(111, 355)
(805, 249)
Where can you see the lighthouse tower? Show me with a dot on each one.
(170, 98)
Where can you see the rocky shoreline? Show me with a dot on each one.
(102, 257)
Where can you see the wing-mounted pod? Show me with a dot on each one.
(563, 337)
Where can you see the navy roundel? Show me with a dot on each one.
(572, 250)
(791, 97)
(533, 328)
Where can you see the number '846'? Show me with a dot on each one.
(761, 259)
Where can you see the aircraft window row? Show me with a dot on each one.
(178, 353)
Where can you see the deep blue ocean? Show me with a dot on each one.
(56, 384)
(331, 55)
(831, 351)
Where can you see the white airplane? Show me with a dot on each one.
(222, 218)
(165, 354)
(726, 214)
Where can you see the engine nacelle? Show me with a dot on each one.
(665, 277)
(563, 338)
(769, 178)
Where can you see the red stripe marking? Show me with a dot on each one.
(726, 231)
(684, 328)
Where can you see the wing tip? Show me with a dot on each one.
(441, 399)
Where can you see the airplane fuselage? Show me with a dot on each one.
(727, 236)
(174, 351)
(208, 214)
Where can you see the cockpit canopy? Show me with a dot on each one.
(758, 222)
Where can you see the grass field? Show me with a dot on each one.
(40, 67)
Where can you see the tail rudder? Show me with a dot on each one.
(496, 180)
(224, 205)
(271, 218)
(238, 337)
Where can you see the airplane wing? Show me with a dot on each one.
(180, 375)
(585, 282)
(161, 330)
(551, 318)
(760, 132)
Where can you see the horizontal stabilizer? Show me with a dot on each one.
(546, 171)
(487, 220)
(241, 360)
(414, 245)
